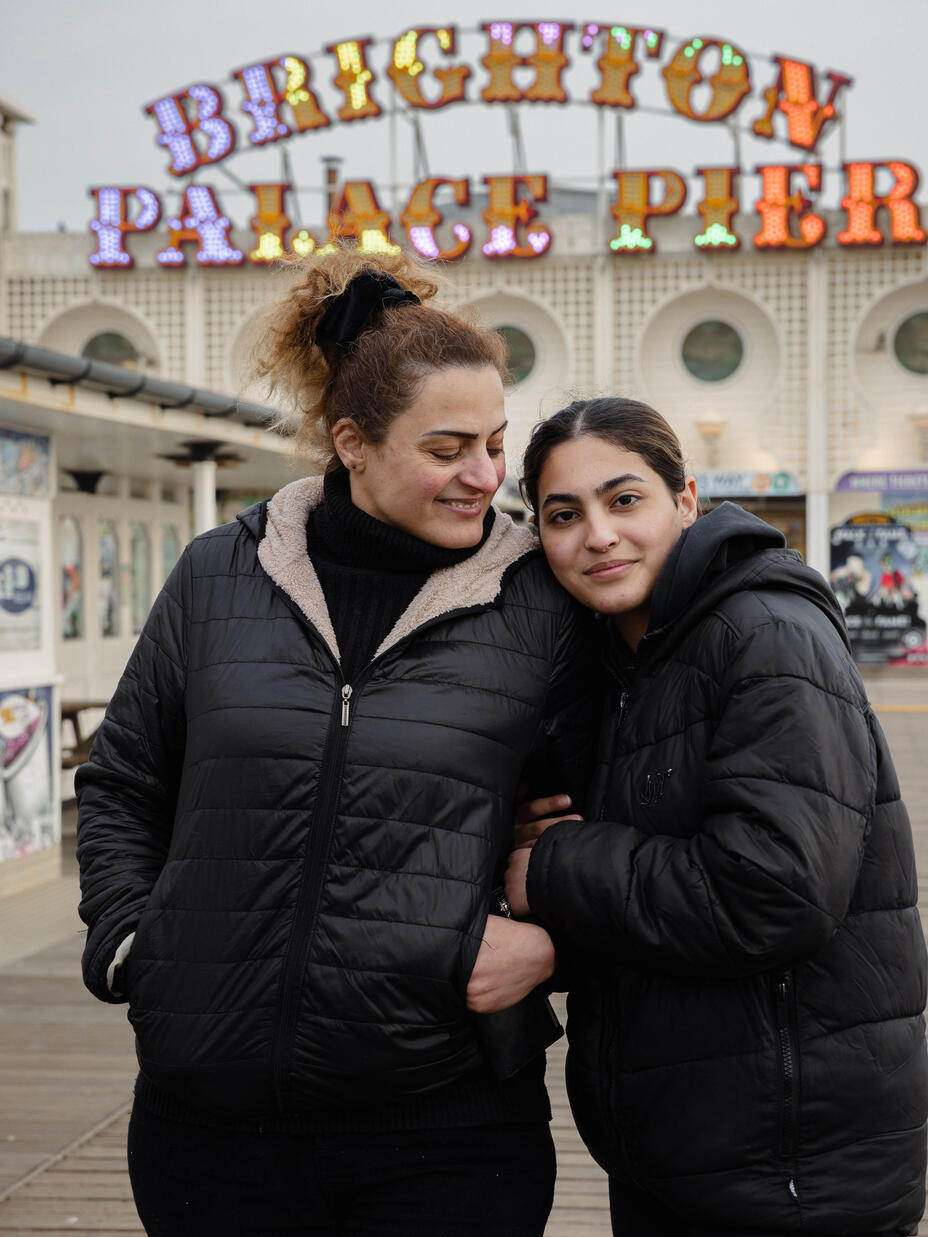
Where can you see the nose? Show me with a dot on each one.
(601, 533)
(483, 473)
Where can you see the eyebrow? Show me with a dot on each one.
(461, 433)
(600, 492)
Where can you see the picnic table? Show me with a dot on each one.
(76, 753)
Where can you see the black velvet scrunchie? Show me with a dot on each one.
(349, 313)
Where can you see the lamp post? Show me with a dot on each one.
(711, 425)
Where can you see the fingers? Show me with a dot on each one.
(531, 809)
(528, 832)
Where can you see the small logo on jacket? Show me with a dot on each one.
(652, 788)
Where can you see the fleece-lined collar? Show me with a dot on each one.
(475, 582)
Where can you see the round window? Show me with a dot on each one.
(521, 352)
(911, 343)
(712, 351)
(113, 348)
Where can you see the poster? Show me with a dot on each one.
(875, 573)
(71, 550)
(24, 463)
(20, 616)
(27, 807)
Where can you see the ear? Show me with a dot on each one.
(349, 444)
(689, 502)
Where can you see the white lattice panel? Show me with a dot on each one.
(870, 394)
(232, 299)
(32, 302)
(646, 285)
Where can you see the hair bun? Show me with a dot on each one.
(350, 312)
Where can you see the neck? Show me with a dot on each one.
(632, 625)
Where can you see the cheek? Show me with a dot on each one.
(428, 484)
(559, 553)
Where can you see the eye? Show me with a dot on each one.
(441, 455)
(561, 517)
(626, 500)
(494, 451)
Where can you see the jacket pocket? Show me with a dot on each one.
(788, 1063)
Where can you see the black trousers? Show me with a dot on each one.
(487, 1181)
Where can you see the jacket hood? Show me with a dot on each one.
(726, 551)
(279, 526)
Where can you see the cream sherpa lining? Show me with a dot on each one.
(475, 582)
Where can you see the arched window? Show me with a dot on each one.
(170, 550)
(910, 343)
(71, 550)
(521, 352)
(109, 579)
(712, 351)
(113, 348)
(140, 560)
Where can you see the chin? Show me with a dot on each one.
(459, 539)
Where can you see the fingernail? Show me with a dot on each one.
(563, 800)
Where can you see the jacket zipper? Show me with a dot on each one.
(307, 907)
(321, 829)
(788, 1067)
(623, 701)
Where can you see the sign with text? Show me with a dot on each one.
(523, 63)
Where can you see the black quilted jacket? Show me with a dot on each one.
(306, 863)
(746, 1036)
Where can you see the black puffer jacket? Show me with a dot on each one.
(746, 1033)
(306, 864)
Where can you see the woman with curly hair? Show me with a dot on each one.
(300, 803)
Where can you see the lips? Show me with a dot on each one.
(607, 571)
(463, 506)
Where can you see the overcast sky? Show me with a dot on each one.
(87, 68)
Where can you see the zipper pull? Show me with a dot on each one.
(783, 995)
(346, 705)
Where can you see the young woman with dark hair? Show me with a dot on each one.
(737, 912)
(300, 802)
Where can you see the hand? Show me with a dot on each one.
(513, 959)
(514, 881)
(533, 817)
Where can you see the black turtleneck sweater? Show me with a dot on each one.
(369, 571)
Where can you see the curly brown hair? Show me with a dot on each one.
(377, 376)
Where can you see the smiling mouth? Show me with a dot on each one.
(463, 506)
(610, 569)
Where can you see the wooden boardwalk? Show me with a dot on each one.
(67, 1062)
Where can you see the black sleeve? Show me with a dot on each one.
(769, 870)
(562, 757)
(127, 790)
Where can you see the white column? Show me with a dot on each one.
(818, 533)
(204, 496)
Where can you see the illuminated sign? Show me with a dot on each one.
(705, 79)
